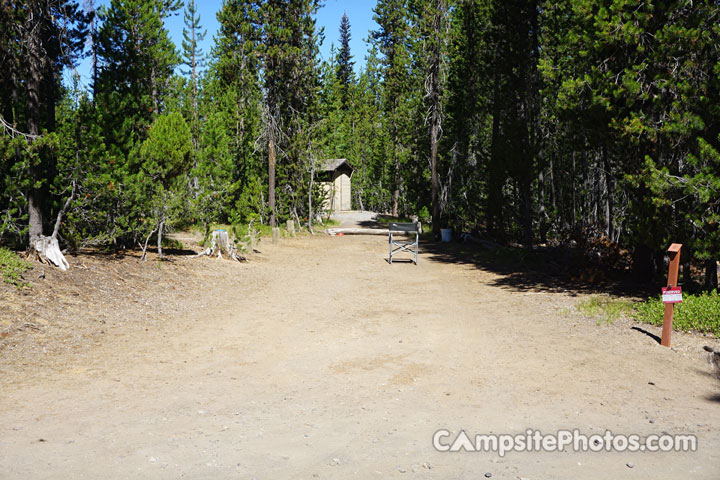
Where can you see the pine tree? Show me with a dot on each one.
(164, 157)
(233, 90)
(391, 40)
(468, 114)
(39, 38)
(135, 60)
(635, 104)
(193, 56)
(433, 17)
(515, 112)
(372, 180)
(289, 57)
(344, 61)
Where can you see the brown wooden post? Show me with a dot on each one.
(674, 253)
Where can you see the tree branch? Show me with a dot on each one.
(62, 211)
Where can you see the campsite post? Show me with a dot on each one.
(674, 253)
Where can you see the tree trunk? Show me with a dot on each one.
(526, 207)
(310, 204)
(33, 111)
(541, 202)
(159, 238)
(574, 192)
(711, 275)
(194, 76)
(495, 222)
(434, 129)
(396, 192)
(271, 176)
(610, 189)
(595, 192)
(153, 82)
(435, 119)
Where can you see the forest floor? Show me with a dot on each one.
(318, 359)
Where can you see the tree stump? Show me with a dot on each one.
(221, 241)
(48, 251)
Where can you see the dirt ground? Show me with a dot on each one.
(318, 359)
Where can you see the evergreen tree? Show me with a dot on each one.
(467, 138)
(433, 16)
(289, 57)
(161, 183)
(344, 61)
(233, 90)
(39, 38)
(136, 59)
(391, 41)
(193, 56)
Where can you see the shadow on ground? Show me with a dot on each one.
(649, 334)
(541, 269)
(119, 255)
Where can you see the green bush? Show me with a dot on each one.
(388, 219)
(424, 215)
(12, 267)
(696, 312)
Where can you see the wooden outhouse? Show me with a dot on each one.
(335, 178)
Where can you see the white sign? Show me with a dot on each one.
(672, 295)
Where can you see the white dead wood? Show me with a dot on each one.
(48, 251)
(356, 231)
(221, 241)
(144, 247)
(368, 231)
(46, 248)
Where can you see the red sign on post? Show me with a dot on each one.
(674, 254)
(672, 295)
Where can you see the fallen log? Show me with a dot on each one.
(357, 231)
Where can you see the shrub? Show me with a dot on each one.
(696, 312)
(12, 267)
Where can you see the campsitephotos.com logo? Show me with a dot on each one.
(536, 441)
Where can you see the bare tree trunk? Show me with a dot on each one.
(310, 205)
(711, 274)
(525, 185)
(609, 201)
(595, 192)
(360, 202)
(153, 81)
(396, 192)
(495, 223)
(194, 77)
(271, 175)
(159, 238)
(144, 247)
(434, 134)
(574, 192)
(552, 185)
(433, 92)
(541, 202)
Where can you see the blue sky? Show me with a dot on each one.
(359, 12)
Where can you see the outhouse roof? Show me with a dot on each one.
(333, 164)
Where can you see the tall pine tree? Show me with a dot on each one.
(344, 61)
